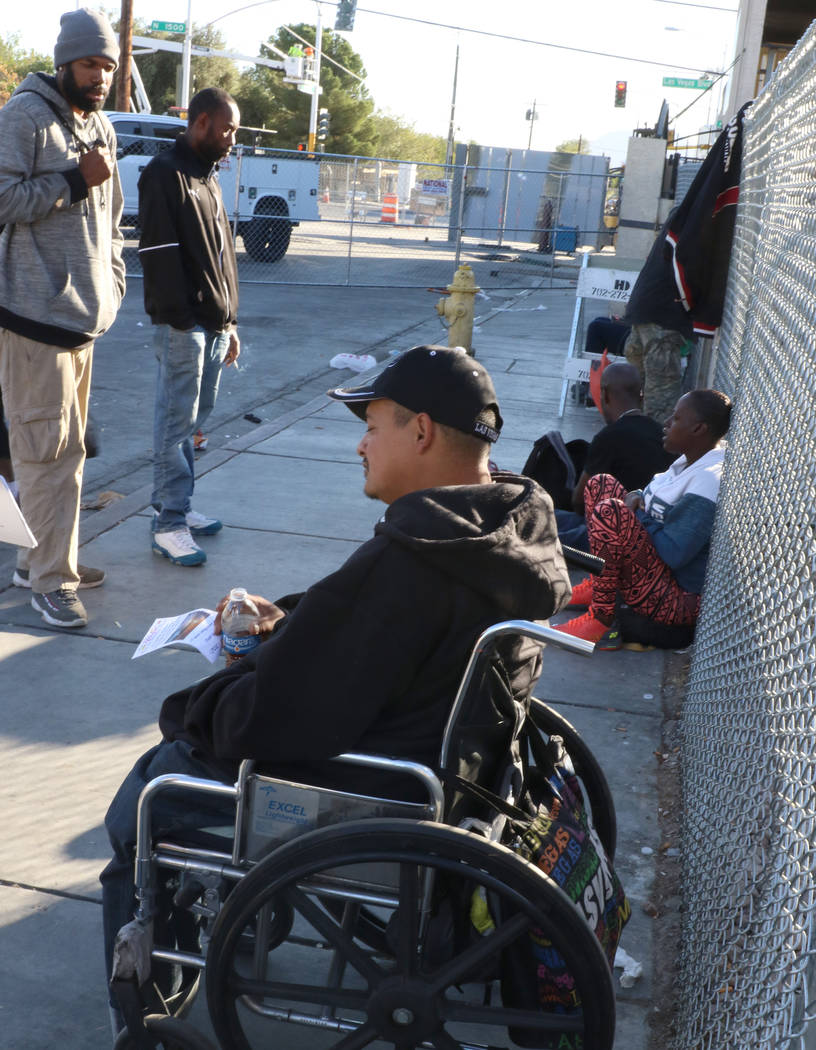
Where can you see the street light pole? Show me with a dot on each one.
(532, 116)
(316, 80)
(184, 101)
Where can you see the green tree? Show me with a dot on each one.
(161, 71)
(266, 101)
(400, 141)
(579, 145)
(16, 63)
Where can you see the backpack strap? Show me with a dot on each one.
(81, 144)
(556, 440)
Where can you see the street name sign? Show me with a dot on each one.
(168, 27)
(687, 82)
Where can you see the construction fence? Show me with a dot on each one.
(327, 220)
(749, 720)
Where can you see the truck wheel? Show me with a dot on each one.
(267, 239)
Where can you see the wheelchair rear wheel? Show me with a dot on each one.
(587, 768)
(432, 988)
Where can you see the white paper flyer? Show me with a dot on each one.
(190, 630)
(13, 526)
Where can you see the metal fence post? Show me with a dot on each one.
(505, 195)
(460, 214)
(351, 224)
(239, 156)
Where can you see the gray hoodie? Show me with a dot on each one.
(61, 272)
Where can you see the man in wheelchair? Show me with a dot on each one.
(369, 658)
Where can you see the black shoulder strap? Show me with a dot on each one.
(458, 783)
(82, 146)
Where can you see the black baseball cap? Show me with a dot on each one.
(446, 383)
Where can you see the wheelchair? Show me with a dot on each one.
(371, 921)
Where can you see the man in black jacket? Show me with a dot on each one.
(191, 295)
(630, 448)
(368, 658)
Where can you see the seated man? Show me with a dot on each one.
(655, 543)
(629, 447)
(369, 658)
(606, 333)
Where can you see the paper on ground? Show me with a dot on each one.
(191, 629)
(632, 969)
(13, 526)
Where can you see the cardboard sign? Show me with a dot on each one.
(610, 285)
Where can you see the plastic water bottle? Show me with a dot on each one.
(236, 619)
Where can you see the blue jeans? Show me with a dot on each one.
(172, 811)
(189, 373)
(572, 529)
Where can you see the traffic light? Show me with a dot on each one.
(620, 93)
(322, 125)
(345, 15)
(302, 147)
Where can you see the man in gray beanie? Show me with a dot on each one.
(61, 282)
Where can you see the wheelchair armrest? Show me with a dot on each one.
(426, 776)
(166, 782)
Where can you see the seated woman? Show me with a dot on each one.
(655, 542)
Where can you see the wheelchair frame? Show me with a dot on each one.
(403, 849)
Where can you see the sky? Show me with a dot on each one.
(410, 64)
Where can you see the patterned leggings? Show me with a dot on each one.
(634, 570)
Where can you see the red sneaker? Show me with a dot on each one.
(592, 630)
(581, 595)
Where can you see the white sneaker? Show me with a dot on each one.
(179, 546)
(201, 525)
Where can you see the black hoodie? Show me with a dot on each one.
(369, 658)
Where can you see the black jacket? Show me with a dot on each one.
(369, 657)
(682, 283)
(186, 248)
(700, 232)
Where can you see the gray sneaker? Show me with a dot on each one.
(61, 607)
(87, 577)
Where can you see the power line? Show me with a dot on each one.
(518, 39)
(528, 40)
(704, 7)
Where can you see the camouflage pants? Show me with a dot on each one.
(657, 354)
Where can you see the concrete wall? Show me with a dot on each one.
(750, 27)
(640, 214)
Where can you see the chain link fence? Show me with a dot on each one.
(749, 747)
(323, 219)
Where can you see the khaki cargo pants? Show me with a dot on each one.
(657, 353)
(45, 394)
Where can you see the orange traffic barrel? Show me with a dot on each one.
(389, 208)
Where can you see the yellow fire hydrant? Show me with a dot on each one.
(458, 308)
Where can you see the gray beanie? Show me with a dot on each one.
(85, 34)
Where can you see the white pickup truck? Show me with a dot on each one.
(273, 192)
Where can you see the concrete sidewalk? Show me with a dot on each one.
(77, 711)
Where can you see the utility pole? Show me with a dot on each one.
(125, 46)
(184, 100)
(449, 151)
(316, 83)
(532, 116)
